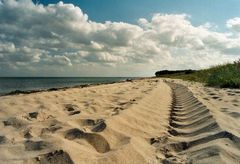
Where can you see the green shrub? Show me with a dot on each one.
(227, 75)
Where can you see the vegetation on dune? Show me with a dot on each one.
(225, 76)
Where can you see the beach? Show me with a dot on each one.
(150, 120)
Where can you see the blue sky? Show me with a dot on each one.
(201, 11)
(116, 37)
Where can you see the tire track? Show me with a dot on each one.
(195, 136)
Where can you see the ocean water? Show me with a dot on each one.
(9, 84)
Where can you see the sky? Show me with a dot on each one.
(116, 38)
(215, 11)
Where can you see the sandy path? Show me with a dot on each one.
(196, 136)
(143, 121)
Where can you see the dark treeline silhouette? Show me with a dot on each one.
(168, 72)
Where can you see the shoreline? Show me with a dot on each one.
(24, 92)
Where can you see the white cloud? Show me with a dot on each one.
(96, 45)
(234, 24)
(56, 60)
(7, 47)
(62, 35)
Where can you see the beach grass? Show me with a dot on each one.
(224, 75)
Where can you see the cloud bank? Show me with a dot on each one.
(59, 39)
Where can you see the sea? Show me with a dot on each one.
(10, 84)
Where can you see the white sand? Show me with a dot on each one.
(144, 121)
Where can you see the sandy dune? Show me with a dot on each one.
(143, 121)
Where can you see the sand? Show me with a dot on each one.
(141, 121)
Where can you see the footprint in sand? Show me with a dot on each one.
(3, 139)
(35, 145)
(234, 114)
(97, 125)
(27, 134)
(14, 122)
(97, 141)
(231, 94)
(39, 116)
(235, 104)
(33, 115)
(215, 97)
(72, 109)
(224, 109)
(58, 156)
(235, 101)
(51, 129)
